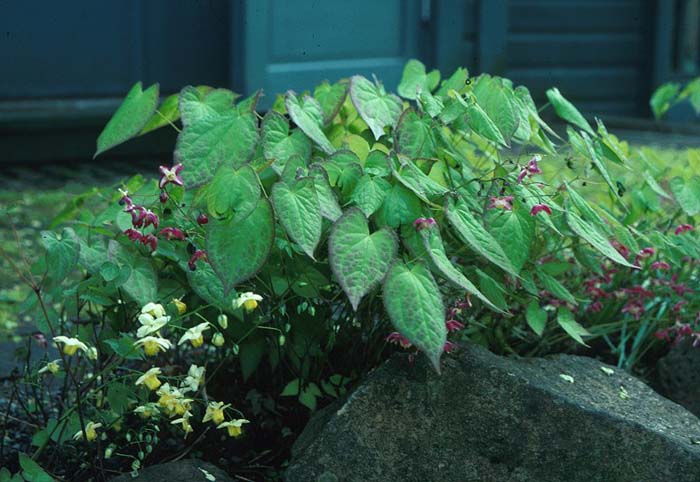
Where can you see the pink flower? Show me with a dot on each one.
(621, 248)
(163, 197)
(453, 325)
(172, 175)
(172, 233)
(396, 338)
(449, 347)
(423, 223)
(151, 241)
(199, 254)
(537, 208)
(505, 203)
(202, 219)
(634, 308)
(40, 338)
(595, 307)
(138, 214)
(644, 253)
(678, 306)
(530, 169)
(150, 218)
(683, 228)
(133, 235)
(660, 265)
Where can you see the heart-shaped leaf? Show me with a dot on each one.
(359, 260)
(238, 249)
(369, 193)
(330, 209)
(62, 253)
(234, 192)
(499, 102)
(414, 80)
(414, 304)
(215, 140)
(331, 98)
(297, 206)
(196, 104)
(132, 115)
(376, 107)
(414, 136)
(308, 115)
(279, 145)
(567, 111)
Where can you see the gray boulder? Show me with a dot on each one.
(494, 419)
(679, 376)
(190, 470)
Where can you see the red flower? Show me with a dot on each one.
(449, 347)
(202, 219)
(423, 223)
(453, 325)
(151, 241)
(171, 233)
(396, 338)
(172, 175)
(661, 265)
(505, 203)
(133, 235)
(537, 208)
(199, 254)
(163, 197)
(683, 228)
(634, 308)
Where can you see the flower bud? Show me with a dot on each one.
(202, 219)
(222, 320)
(218, 340)
(282, 340)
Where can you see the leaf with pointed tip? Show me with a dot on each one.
(687, 193)
(235, 192)
(499, 103)
(567, 111)
(215, 140)
(553, 286)
(279, 145)
(400, 206)
(196, 104)
(296, 204)
(167, 113)
(417, 181)
(432, 241)
(359, 260)
(455, 82)
(475, 235)
(205, 282)
(414, 136)
(596, 239)
(567, 321)
(132, 115)
(142, 284)
(330, 209)
(536, 317)
(514, 230)
(308, 116)
(238, 249)
(414, 80)
(331, 98)
(479, 121)
(376, 107)
(414, 304)
(369, 193)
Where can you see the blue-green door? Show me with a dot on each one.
(295, 44)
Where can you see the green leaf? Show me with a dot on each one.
(330, 209)
(473, 233)
(514, 231)
(664, 98)
(500, 104)
(455, 82)
(369, 193)
(492, 289)
(297, 206)
(414, 137)
(587, 212)
(238, 249)
(131, 116)
(687, 193)
(400, 206)
(414, 304)
(308, 115)
(479, 121)
(331, 99)
(523, 95)
(432, 241)
(279, 145)
(359, 259)
(550, 284)
(62, 252)
(118, 396)
(250, 354)
(205, 282)
(376, 107)
(291, 389)
(414, 80)
(164, 115)
(216, 140)
(124, 347)
(566, 320)
(567, 111)
(536, 317)
(591, 234)
(197, 104)
(31, 471)
(142, 285)
(233, 192)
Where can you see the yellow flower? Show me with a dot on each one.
(234, 427)
(90, 432)
(149, 324)
(156, 310)
(194, 335)
(150, 379)
(71, 345)
(222, 320)
(92, 353)
(172, 401)
(52, 367)
(185, 421)
(215, 412)
(147, 411)
(248, 300)
(152, 345)
(195, 376)
(218, 340)
(181, 307)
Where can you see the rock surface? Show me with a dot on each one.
(189, 470)
(679, 376)
(496, 419)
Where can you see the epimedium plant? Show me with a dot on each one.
(285, 246)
